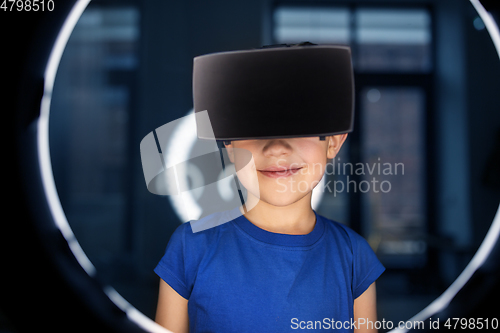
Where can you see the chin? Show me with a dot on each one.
(283, 199)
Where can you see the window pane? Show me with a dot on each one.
(393, 157)
(393, 40)
(313, 24)
(89, 131)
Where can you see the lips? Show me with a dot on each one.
(276, 172)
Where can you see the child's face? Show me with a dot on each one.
(287, 169)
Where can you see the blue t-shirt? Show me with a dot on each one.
(241, 278)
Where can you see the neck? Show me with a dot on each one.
(295, 219)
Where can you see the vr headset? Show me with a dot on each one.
(275, 92)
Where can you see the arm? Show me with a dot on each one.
(172, 311)
(365, 306)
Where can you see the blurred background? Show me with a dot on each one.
(427, 82)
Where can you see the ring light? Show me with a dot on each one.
(48, 177)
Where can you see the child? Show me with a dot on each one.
(278, 267)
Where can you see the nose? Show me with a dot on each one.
(277, 148)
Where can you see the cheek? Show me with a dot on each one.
(241, 154)
(315, 171)
(314, 154)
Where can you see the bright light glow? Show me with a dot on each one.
(132, 313)
(477, 261)
(61, 41)
(48, 177)
(43, 137)
(317, 193)
(489, 22)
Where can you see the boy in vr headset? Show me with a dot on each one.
(279, 266)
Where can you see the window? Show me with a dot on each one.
(314, 24)
(392, 141)
(395, 40)
(90, 125)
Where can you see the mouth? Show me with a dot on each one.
(277, 172)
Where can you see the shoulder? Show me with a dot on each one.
(185, 251)
(366, 267)
(350, 241)
(350, 238)
(197, 235)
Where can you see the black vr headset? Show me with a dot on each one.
(275, 92)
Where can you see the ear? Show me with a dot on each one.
(335, 142)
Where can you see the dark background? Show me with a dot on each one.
(98, 121)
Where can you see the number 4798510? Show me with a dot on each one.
(27, 5)
(471, 323)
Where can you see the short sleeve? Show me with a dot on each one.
(367, 268)
(171, 267)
